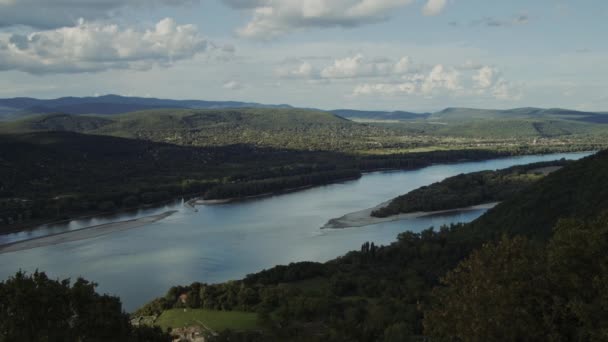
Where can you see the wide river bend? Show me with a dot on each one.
(228, 241)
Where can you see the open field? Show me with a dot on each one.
(210, 319)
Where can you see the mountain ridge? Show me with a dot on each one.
(112, 104)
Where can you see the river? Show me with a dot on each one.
(228, 241)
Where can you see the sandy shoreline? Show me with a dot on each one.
(363, 218)
(82, 234)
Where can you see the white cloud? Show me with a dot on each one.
(504, 90)
(271, 18)
(90, 47)
(48, 14)
(439, 78)
(484, 81)
(232, 85)
(357, 66)
(485, 77)
(434, 7)
(489, 80)
(385, 88)
(302, 70)
(404, 65)
(350, 67)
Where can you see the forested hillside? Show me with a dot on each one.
(578, 190)
(469, 189)
(306, 129)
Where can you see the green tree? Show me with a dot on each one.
(36, 308)
(496, 294)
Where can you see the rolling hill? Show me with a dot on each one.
(579, 190)
(379, 115)
(453, 113)
(14, 108)
(265, 127)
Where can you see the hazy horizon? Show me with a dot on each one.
(359, 54)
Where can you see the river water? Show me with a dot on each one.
(223, 242)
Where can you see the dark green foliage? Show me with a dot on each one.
(578, 190)
(467, 189)
(56, 175)
(512, 288)
(265, 186)
(518, 291)
(355, 297)
(36, 308)
(496, 294)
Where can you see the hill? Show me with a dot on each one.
(579, 190)
(108, 104)
(306, 129)
(453, 113)
(55, 122)
(265, 127)
(379, 115)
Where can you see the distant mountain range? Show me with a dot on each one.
(108, 105)
(380, 115)
(16, 108)
(518, 113)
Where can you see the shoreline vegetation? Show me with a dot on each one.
(66, 197)
(355, 219)
(364, 218)
(464, 192)
(83, 233)
(359, 218)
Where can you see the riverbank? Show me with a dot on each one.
(200, 201)
(84, 233)
(363, 217)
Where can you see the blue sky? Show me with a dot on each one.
(368, 54)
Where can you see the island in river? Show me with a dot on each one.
(464, 192)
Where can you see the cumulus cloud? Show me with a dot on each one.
(485, 77)
(271, 18)
(49, 14)
(434, 7)
(302, 69)
(357, 66)
(438, 78)
(445, 80)
(489, 80)
(90, 47)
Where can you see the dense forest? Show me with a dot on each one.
(468, 282)
(56, 175)
(34, 307)
(579, 190)
(469, 189)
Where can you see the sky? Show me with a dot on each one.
(414, 55)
